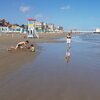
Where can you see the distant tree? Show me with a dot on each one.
(3, 22)
(16, 24)
(24, 26)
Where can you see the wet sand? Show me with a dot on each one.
(47, 75)
(16, 59)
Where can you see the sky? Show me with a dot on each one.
(78, 14)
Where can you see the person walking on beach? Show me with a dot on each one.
(68, 38)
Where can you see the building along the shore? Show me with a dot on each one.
(5, 26)
(40, 27)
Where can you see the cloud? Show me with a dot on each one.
(24, 9)
(65, 7)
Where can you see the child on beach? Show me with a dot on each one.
(68, 38)
(20, 45)
(32, 48)
(23, 44)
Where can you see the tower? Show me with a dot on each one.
(31, 28)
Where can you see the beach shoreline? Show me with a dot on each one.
(47, 74)
(9, 61)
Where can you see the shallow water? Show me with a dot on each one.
(51, 77)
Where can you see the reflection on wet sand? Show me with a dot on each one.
(68, 54)
(48, 77)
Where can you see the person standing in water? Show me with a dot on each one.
(68, 38)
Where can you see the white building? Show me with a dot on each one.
(97, 30)
(4, 29)
(50, 27)
(38, 25)
(12, 29)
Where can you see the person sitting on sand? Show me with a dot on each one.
(20, 45)
(32, 48)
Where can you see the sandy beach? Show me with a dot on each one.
(45, 74)
(16, 59)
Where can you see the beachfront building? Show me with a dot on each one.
(24, 28)
(59, 29)
(44, 27)
(16, 29)
(39, 26)
(5, 26)
(50, 27)
(11, 29)
(4, 29)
